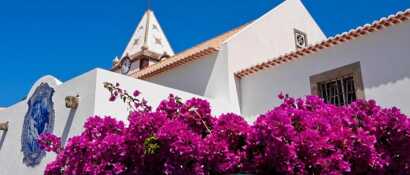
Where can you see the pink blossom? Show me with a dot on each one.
(300, 136)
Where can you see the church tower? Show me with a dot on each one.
(148, 45)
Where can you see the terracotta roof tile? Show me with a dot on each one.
(199, 51)
(332, 41)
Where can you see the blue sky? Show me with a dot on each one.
(66, 38)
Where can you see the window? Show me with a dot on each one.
(340, 91)
(340, 86)
(300, 39)
(144, 63)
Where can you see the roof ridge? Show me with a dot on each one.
(202, 49)
(377, 25)
(234, 30)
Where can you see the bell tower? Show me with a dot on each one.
(148, 45)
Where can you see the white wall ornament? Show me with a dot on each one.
(39, 119)
(4, 126)
(300, 39)
(72, 102)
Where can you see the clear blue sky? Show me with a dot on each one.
(66, 38)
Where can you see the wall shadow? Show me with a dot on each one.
(67, 127)
(2, 138)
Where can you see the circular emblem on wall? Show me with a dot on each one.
(300, 40)
(125, 66)
(39, 119)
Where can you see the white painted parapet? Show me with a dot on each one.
(152, 92)
(93, 100)
(11, 156)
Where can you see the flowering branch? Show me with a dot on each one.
(134, 104)
(195, 110)
(300, 136)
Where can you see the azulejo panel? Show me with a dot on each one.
(39, 119)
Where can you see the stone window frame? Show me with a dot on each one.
(295, 33)
(353, 70)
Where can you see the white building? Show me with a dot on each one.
(240, 71)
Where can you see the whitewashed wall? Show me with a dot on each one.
(11, 157)
(384, 57)
(154, 93)
(208, 76)
(93, 101)
(192, 77)
(269, 36)
(272, 35)
(221, 84)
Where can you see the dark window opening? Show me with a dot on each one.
(340, 91)
(144, 63)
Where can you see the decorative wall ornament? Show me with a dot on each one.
(4, 126)
(72, 102)
(125, 65)
(39, 119)
(300, 39)
(155, 27)
(136, 41)
(158, 41)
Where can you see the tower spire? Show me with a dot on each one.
(148, 37)
(147, 22)
(148, 41)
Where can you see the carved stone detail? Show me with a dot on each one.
(72, 102)
(4, 126)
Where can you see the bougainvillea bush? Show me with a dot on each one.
(301, 136)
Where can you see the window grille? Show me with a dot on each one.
(338, 91)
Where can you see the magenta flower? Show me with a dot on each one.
(136, 93)
(300, 136)
(50, 142)
(112, 98)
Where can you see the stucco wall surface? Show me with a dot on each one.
(384, 61)
(93, 101)
(192, 77)
(67, 123)
(272, 35)
(154, 94)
